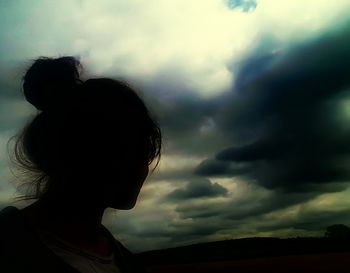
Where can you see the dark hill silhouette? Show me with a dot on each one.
(246, 248)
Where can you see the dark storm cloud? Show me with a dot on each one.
(197, 188)
(287, 122)
(181, 117)
(242, 208)
(290, 136)
(216, 167)
(307, 220)
(252, 213)
(172, 175)
(174, 233)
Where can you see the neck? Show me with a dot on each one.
(74, 220)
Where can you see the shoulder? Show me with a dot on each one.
(13, 223)
(13, 240)
(14, 232)
(8, 211)
(9, 221)
(20, 248)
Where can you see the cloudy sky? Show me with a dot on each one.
(252, 96)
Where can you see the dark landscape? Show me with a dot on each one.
(254, 255)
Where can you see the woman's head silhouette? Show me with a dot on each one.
(91, 140)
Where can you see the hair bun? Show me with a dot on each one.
(48, 81)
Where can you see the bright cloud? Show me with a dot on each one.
(141, 38)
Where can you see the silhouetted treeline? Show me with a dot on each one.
(245, 248)
(339, 231)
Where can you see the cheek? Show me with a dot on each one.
(144, 172)
(136, 177)
(127, 180)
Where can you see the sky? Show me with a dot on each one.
(252, 97)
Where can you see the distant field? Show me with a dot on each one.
(324, 263)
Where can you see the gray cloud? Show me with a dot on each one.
(311, 220)
(214, 167)
(287, 122)
(251, 205)
(197, 188)
(185, 118)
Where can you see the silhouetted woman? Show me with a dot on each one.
(88, 148)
